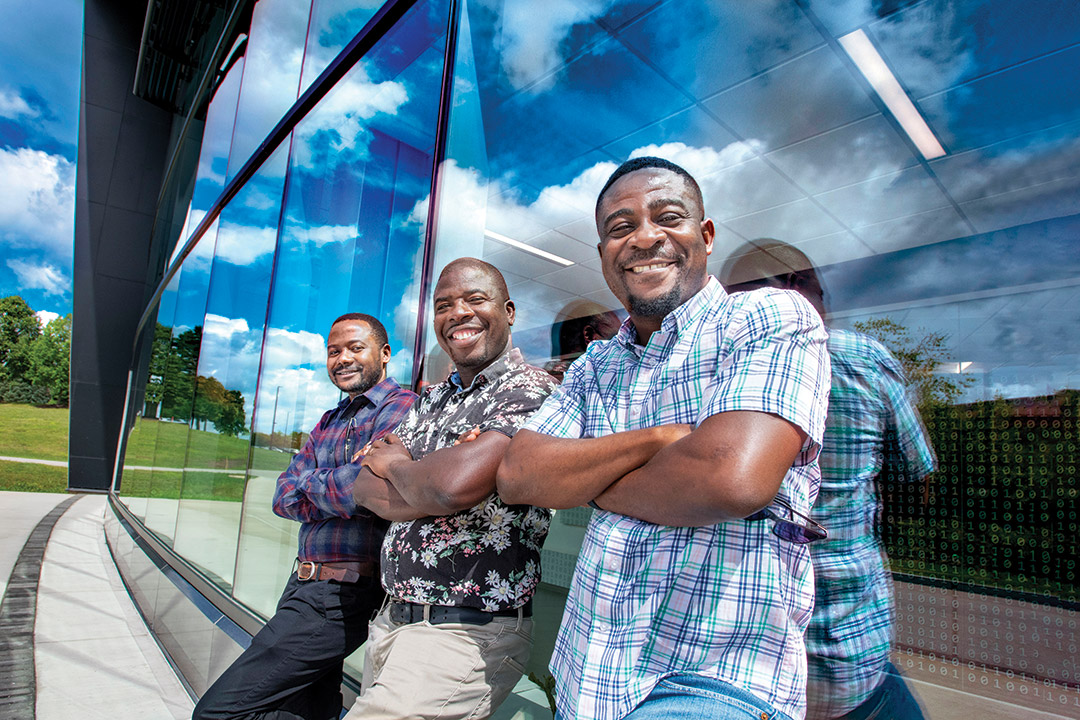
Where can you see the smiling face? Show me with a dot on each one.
(472, 317)
(654, 244)
(354, 359)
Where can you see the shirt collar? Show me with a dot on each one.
(673, 323)
(374, 395)
(510, 358)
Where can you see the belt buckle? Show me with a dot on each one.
(306, 570)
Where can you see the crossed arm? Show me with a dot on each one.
(728, 467)
(396, 487)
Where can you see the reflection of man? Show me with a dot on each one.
(705, 409)
(293, 667)
(870, 422)
(579, 323)
(460, 565)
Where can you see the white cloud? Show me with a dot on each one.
(43, 277)
(12, 106)
(320, 235)
(243, 244)
(224, 327)
(285, 348)
(530, 41)
(46, 316)
(341, 118)
(37, 200)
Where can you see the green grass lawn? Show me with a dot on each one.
(32, 432)
(28, 477)
(41, 433)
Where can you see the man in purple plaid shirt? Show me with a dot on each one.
(293, 667)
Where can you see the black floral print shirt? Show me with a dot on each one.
(487, 557)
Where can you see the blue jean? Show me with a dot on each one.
(892, 700)
(693, 697)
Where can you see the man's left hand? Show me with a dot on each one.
(383, 454)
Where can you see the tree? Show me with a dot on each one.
(155, 381)
(49, 356)
(232, 420)
(18, 326)
(178, 387)
(921, 358)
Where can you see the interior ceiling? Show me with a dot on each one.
(825, 166)
(178, 41)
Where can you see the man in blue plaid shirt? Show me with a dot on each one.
(872, 428)
(705, 410)
(293, 667)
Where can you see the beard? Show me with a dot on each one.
(659, 306)
(366, 380)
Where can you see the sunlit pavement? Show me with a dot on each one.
(93, 655)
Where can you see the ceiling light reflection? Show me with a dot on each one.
(866, 58)
(492, 235)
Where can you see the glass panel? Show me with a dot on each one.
(350, 242)
(963, 265)
(219, 444)
(271, 80)
(334, 23)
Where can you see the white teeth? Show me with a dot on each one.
(644, 268)
(464, 334)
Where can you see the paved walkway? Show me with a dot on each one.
(93, 656)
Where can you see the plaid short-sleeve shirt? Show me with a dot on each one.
(871, 424)
(728, 601)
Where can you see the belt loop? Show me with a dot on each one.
(521, 617)
(427, 614)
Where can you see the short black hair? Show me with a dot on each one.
(377, 328)
(648, 161)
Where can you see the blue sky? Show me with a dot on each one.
(40, 53)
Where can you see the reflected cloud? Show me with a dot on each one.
(530, 42)
(338, 125)
(244, 244)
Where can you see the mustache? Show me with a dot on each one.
(346, 368)
(647, 255)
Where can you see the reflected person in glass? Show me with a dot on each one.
(872, 427)
(703, 410)
(293, 667)
(459, 564)
(577, 325)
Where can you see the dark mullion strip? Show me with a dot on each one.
(18, 613)
(442, 131)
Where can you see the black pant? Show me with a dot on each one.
(293, 667)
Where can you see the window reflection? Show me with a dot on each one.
(350, 241)
(964, 266)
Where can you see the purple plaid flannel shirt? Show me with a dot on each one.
(317, 487)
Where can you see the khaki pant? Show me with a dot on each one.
(425, 671)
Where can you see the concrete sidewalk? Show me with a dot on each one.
(93, 655)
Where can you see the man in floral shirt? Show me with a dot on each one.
(459, 564)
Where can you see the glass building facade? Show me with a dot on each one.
(350, 149)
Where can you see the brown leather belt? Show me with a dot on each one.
(346, 572)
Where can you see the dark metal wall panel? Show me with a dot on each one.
(123, 143)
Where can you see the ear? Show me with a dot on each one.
(708, 231)
(511, 311)
(385, 354)
(600, 250)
